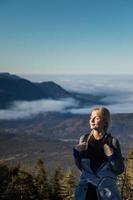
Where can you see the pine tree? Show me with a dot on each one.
(41, 181)
(4, 178)
(55, 184)
(20, 186)
(129, 167)
(68, 185)
(125, 181)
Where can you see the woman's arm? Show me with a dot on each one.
(77, 149)
(114, 155)
(77, 158)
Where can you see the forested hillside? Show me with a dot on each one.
(19, 183)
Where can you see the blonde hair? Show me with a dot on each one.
(104, 113)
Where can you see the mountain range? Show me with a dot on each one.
(15, 88)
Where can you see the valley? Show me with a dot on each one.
(52, 136)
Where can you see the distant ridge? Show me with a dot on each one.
(13, 88)
(8, 75)
(52, 90)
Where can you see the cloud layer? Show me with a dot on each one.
(118, 91)
(25, 109)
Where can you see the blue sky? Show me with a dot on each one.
(66, 36)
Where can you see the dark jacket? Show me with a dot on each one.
(105, 177)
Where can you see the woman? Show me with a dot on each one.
(99, 158)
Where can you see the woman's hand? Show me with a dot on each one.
(108, 150)
(81, 146)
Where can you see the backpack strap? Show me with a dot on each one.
(108, 139)
(86, 137)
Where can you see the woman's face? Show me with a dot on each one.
(96, 121)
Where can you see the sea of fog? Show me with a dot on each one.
(118, 90)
